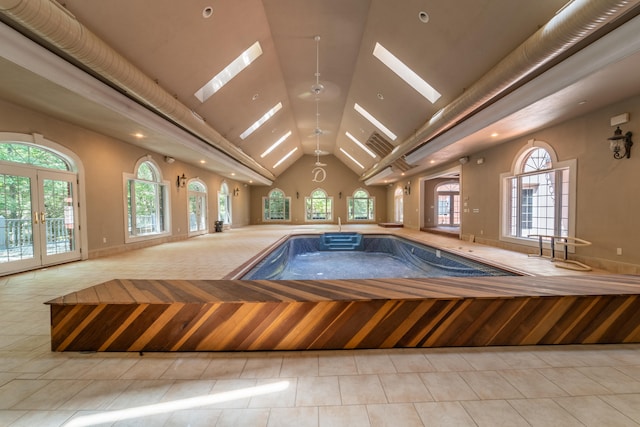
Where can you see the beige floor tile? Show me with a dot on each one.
(280, 399)
(544, 413)
(16, 391)
(344, 416)
(53, 395)
(337, 363)
(98, 395)
(221, 387)
(224, 368)
(318, 391)
(612, 378)
(448, 361)
(194, 418)
(494, 413)
(306, 416)
(184, 369)
(444, 414)
(404, 388)
(147, 367)
(448, 386)
(397, 414)
(110, 369)
(490, 385)
(574, 382)
(72, 369)
(628, 404)
(243, 418)
(373, 362)
(141, 393)
(186, 389)
(532, 384)
(594, 412)
(42, 419)
(299, 365)
(485, 360)
(361, 389)
(262, 367)
(408, 361)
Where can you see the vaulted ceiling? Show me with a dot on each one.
(180, 46)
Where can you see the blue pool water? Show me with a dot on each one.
(355, 256)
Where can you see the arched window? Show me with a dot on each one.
(538, 194)
(276, 206)
(448, 203)
(398, 206)
(197, 207)
(360, 206)
(224, 204)
(39, 199)
(147, 202)
(319, 206)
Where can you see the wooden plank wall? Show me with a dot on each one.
(147, 315)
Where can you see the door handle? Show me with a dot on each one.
(35, 217)
(42, 218)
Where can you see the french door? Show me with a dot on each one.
(38, 218)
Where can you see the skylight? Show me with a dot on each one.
(275, 144)
(405, 73)
(285, 157)
(261, 121)
(361, 145)
(392, 136)
(352, 159)
(229, 72)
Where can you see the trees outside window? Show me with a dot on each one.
(276, 206)
(361, 207)
(319, 206)
(147, 202)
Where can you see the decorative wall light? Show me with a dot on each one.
(236, 191)
(181, 181)
(340, 195)
(169, 159)
(617, 141)
(297, 195)
(407, 188)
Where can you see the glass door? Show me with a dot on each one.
(38, 218)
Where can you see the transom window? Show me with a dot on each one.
(147, 202)
(361, 207)
(276, 206)
(319, 206)
(448, 202)
(538, 195)
(32, 155)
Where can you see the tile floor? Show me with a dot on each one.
(510, 386)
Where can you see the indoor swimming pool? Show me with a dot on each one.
(334, 256)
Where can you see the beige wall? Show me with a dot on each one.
(105, 160)
(608, 190)
(298, 179)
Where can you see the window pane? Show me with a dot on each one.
(30, 155)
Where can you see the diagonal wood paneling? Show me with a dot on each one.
(235, 315)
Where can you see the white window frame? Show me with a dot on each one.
(329, 201)
(287, 207)
(517, 170)
(128, 178)
(370, 201)
(224, 192)
(201, 194)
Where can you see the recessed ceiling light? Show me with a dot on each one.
(138, 135)
(494, 134)
(582, 102)
(351, 158)
(432, 161)
(254, 97)
(405, 73)
(203, 161)
(261, 121)
(375, 121)
(285, 158)
(361, 145)
(207, 12)
(275, 144)
(423, 17)
(233, 174)
(229, 72)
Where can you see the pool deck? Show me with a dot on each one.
(240, 315)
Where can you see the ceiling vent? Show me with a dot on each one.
(379, 145)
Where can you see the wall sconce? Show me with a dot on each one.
(340, 195)
(236, 191)
(407, 188)
(617, 141)
(181, 181)
(297, 195)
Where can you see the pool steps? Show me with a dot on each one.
(341, 242)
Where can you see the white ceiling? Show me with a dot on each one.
(172, 43)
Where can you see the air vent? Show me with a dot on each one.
(379, 145)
